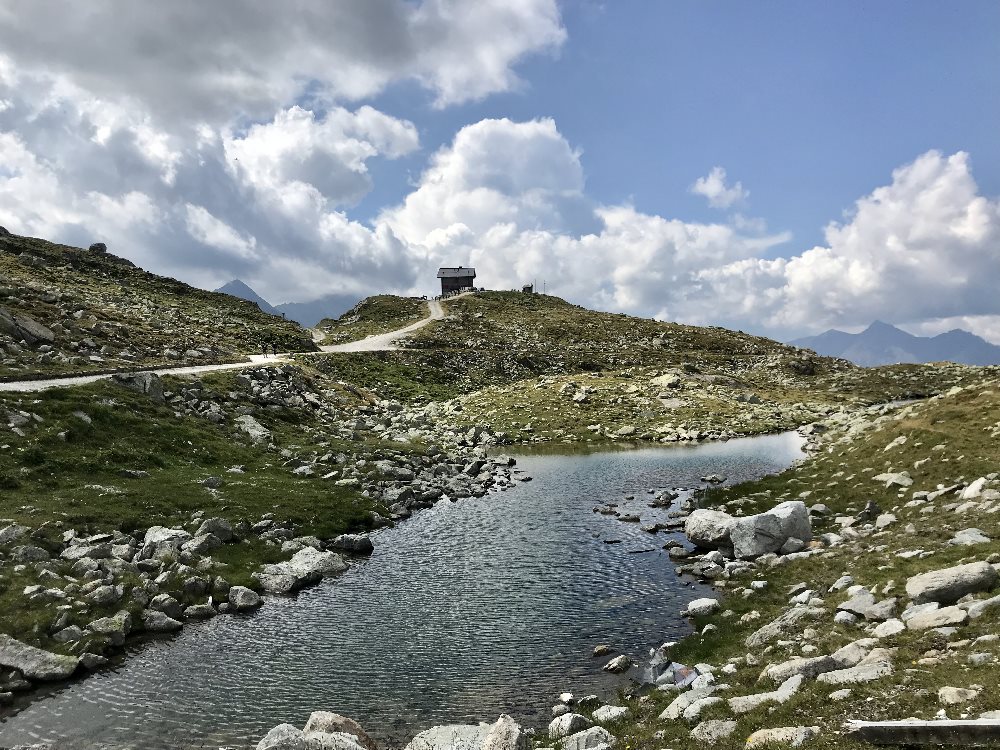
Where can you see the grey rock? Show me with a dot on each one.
(254, 429)
(567, 724)
(745, 703)
(708, 529)
(358, 544)
(506, 734)
(34, 663)
(451, 737)
(948, 585)
(155, 621)
(307, 566)
(199, 612)
(242, 599)
(595, 738)
(147, 383)
(333, 723)
(939, 618)
(219, 527)
(115, 627)
(605, 714)
(713, 731)
(753, 536)
(969, 537)
(160, 542)
(283, 737)
(877, 664)
(786, 623)
(787, 736)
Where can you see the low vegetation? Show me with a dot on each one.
(371, 316)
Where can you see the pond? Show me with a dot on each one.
(468, 610)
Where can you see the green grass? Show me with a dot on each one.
(840, 476)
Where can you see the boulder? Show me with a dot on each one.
(945, 617)
(746, 703)
(283, 737)
(161, 542)
(115, 627)
(753, 536)
(948, 585)
(595, 738)
(24, 328)
(605, 714)
(34, 663)
(784, 624)
(358, 544)
(713, 731)
(619, 664)
(98, 247)
(701, 607)
(778, 736)
(331, 723)
(242, 599)
(567, 724)
(147, 383)
(254, 429)
(877, 664)
(218, 527)
(450, 737)
(155, 621)
(708, 529)
(506, 734)
(307, 566)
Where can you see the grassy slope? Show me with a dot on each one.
(522, 358)
(968, 425)
(371, 316)
(124, 309)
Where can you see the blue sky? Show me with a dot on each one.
(845, 153)
(809, 105)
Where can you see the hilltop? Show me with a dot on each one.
(65, 309)
(537, 368)
(884, 344)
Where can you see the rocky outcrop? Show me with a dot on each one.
(24, 328)
(948, 585)
(753, 536)
(306, 567)
(34, 663)
(146, 383)
(708, 529)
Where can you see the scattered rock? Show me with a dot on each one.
(948, 585)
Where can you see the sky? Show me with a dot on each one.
(779, 167)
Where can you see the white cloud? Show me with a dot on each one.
(216, 233)
(189, 60)
(713, 187)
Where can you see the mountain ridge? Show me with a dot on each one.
(884, 344)
(306, 314)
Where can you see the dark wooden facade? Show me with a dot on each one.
(456, 279)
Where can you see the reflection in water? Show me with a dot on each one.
(466, 611)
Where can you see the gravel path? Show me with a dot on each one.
(381, 342)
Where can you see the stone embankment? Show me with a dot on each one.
(89, 591)
(826, 607)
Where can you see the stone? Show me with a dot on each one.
(12, 533)
(160, 542)
(505, 734)
(949, 696)
(939, 618)
(202, 544)
(254, 429)
(619, 664)
(147, 383)
(450, 737)
(876, 664)
(708, 529)
(242, 599)
(810, 667)
(788, 736)
(115, 627)
(24, 328)
(219, 527)
(683, 701)
(746, 703)
(358, 544)
(713, 731)
(595, 738)
(307, 566)
(948, 585)
(567, 724)
(34, 663)
(863, 604)
(283, 737)
(332, 723)
(701, 607)
(786, 623)
(753, 536)
(199, 612)
(167, 604)
(900, 479)
(155, 621)
(605, 714)
(969, 537)
(98, 247)
(889, 628)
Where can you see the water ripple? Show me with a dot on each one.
(468, 610)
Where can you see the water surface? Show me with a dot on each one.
(468, 610)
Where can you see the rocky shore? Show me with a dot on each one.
(84, 593)
(826, 608)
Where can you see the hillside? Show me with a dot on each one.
(536, 369)
(883, 344)
(370, 317)
(65, 309)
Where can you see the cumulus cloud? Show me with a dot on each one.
(714, 188)
(189, 59)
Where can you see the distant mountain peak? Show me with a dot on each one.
(241, 289)
(884, 344)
